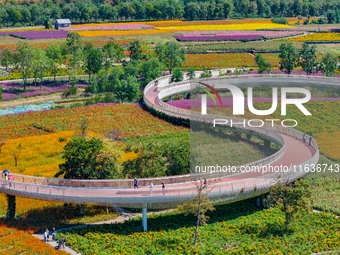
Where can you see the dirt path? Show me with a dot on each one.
(32, 100)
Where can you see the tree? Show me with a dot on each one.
(54, 55)
(308, 59)
(191, 73)
(83, 160)
(328, 64)
(23, 60)
(263, 65)
(149, 163)
(93, 60)
(136, 50)
(73, 50)
(7, 58)
(291, 197)
(171, 55)
(177, 75)
(131, 68)
(177, 155)
(127, 89)
(289, 57)
(112, 52)
(199, 206)
(151, 70)
(39, 65)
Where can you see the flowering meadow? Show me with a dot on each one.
(20, 242)
(316, 37)
(200, 61)
(129, 119)
(14, 90)
(265, 34)
(123, 32)
(40, 155)
(219, 38)
(35, 215)
(109, 26)
(244, 26)
(238, 228)
(40, 34)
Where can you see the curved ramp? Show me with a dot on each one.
(179, 189)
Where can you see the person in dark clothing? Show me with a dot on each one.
(163, 188)
(135, 183)
(310, 140)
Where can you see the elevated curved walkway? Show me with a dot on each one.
(179, 189)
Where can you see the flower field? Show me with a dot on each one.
(40, 155)
(266, 34)
(200, 61)
(35, 215)
(129, 119)
(272, 58)
(39, 34)
(124, 32)
(238, 228)
(110, 26)
(19, 242)
(244, 26)
(317, 37)
(233, 46)
(219, 38)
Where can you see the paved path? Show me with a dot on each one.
(125, 215)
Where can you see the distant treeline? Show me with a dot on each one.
(36, 13)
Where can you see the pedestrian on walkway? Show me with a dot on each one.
(163, 188)
(310, 139)
(151, 186)
(135, 183)
(46, 235)
(64, 242)
(54, 234)
(205, 182)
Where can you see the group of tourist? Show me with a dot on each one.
(62, 240)
(135, 186)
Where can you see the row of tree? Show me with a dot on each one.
(290, 58)
(35, 62)
(84, 11)
(145, 65)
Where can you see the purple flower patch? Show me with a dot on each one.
(219, 38)
(33, 35)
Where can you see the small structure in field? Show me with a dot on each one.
(62, 23)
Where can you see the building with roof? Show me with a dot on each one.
(62, 23)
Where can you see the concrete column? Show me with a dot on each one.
(248, 137)
(185, 95)
(144, 219)
(266, 143)
(170, 98)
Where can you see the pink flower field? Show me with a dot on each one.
(111, 27)
(266, 34)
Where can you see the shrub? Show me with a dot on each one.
(280, 20)
(306, 22)
(322, 21)
(62, 139)
(1, 90)
(177, 75)
(206, 73)
(89, 88)
(191, 73)
(70, 91)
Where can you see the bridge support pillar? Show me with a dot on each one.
(170, 98)
(185, 95)
(11, 206)
(145, 219)
(266, 143)
(248, 137)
